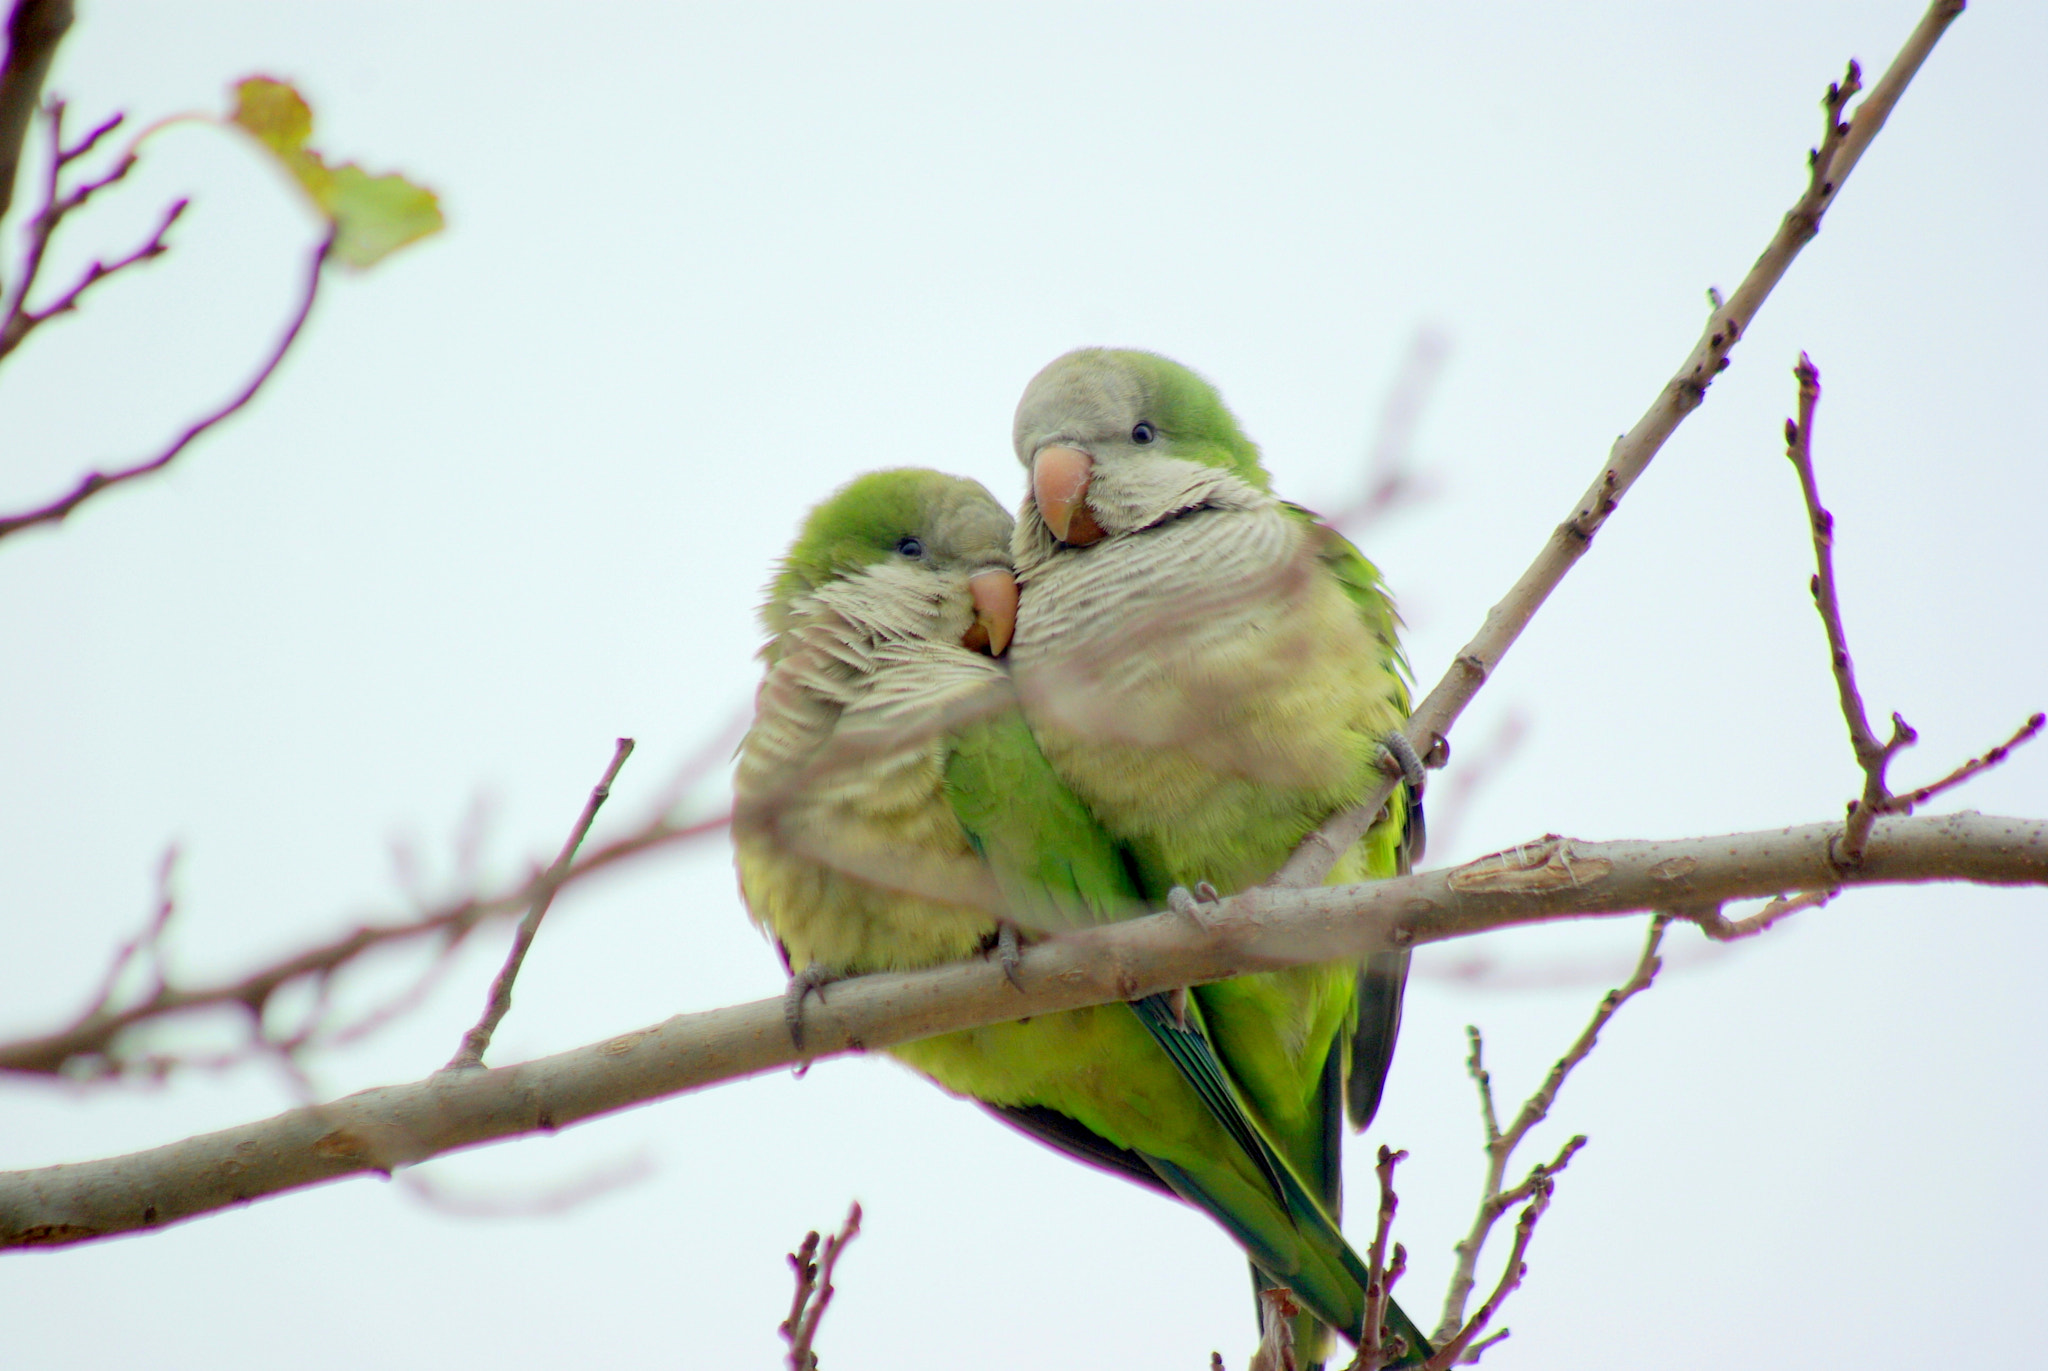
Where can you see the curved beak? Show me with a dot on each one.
(995, 611)
(1059, 485)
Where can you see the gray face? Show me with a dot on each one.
(970, 533)
(1084, 399)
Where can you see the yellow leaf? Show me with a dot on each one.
(372, 216)
(275, 113)
(377, 215)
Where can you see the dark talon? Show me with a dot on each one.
(813, 978)
(1007, 954)
(1398, 747)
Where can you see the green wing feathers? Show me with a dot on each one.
(1361, 582)
(1053, 863)
(1165, 1096)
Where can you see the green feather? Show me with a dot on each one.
(863, 523)
(1048, 854)
(1138, 1088)
(1297, 1045)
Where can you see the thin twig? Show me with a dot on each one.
(1390, 479)
(1907, 803)
(1433, 719)
(1872, 756)
(92, 1035)
(557, 1198)
(17, 320)
(1453, 1351)
(22, 321)
(34, 29)
(1501, 1143)
(498, 1003)
(95, 482)
(814, 1290)
(1478, 1349)
(1710, 920)
(149, 940)
(1373, 1350)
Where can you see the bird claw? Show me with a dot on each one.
(1008, 955)
(1188, 903)
(813, 978)
(1402, 753)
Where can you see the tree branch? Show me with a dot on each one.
(1455, 1349)
(18, 320)
(1390, 479)
(92, 1037)
(21, 320)
(34, 30)
(95, 482)
(1495, 1201)
(498, 1003)
(1841, 148)
(391, 1126)
(814, 1290)
(1374, 1348)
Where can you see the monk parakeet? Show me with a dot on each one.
(893, 812)
(1213, 673)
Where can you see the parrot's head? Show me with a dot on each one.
(1118, 441)
(905, 553)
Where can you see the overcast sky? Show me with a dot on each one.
(516, 492)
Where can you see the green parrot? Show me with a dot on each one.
(892, 811)
(1213, 672)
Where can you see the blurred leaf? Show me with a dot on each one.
(373, 216)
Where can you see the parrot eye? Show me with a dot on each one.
(909, 546)
(1144, 433)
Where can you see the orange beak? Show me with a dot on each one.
(995, 612)
(1059, 485)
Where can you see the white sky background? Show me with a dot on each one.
(516, 492)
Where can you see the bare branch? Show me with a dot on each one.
(558, 1198)
(21, 321)
(1475, 1068)
(1710, 921)
(814, 1290)
(91, 1038)
(477, 1040)
(1872, 756)
(1632, 453)
(16, 321)
(148, 941)
(95, 482)
(1373, 1350)
(1907, 803)
(1390, 479)
(34, 29)
(391, 1126)
(1537, 1107)
(1501, 1144)
(1454, 1350)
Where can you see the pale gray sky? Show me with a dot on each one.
(516, 492)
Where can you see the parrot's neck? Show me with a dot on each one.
(1133, 500)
